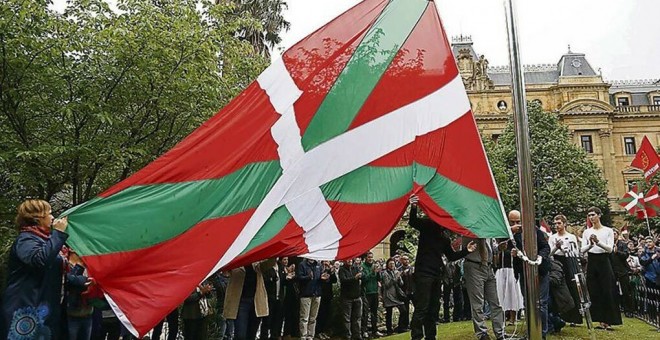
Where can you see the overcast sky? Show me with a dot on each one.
(620, 36)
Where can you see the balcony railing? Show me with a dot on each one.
(637, 108)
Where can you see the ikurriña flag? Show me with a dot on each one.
(316, 158)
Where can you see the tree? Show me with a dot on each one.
(269, 14)
(566, 180)
(91, 95)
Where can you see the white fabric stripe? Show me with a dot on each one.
(354, 149)
(651, 198)
(279, 86)
(377, 138)
(121, 316)
(636, 197)
(311, 210)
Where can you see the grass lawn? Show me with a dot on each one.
(632, 329)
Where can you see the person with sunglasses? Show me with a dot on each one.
(598, 242)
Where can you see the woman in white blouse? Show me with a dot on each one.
(598, 242)
(564, 248)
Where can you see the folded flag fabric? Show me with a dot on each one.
(316, 158)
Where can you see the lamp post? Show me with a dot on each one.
(540, 181)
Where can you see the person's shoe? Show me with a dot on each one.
(377, 334)
(365, 335)
(560, 325)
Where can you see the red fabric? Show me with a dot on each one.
(646, 159)
(141, 281)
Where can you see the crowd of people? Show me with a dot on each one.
(51, 296)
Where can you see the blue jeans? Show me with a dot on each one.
(544, 290)
(80, 328)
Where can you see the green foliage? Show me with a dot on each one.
(566, 180)
(265, 36)
(91, 95)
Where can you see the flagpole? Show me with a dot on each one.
(648, 225)
(521, 123)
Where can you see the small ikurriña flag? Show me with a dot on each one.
(634, 201)
(652, 202)
(646, 159)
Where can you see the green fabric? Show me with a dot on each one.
(363, 71)
(166, 210)
(272, 227)
(370, 184)
(481, 214)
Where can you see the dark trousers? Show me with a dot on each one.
(292, 316)
(172, 326)
(467, 310)
(352, 312)
(404, 317)
(627, 294)
(370, 312)
(389, 311)
(80, 328)
(268, 322)
(544, 291)
(247, 323)
(446, 295)
(195, 329)
(276, 316)
(457, 293)
(110, 329)
(324, 318)
(427, 307)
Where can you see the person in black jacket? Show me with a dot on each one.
(543, 250)
(429, 270)
(351, 301)
(325, 308)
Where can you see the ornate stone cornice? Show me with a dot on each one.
(635, 115)
(635, 82)
(526, 68)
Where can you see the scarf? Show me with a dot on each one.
(43, 232)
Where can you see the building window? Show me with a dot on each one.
(622, 101)
(495, 137)
(656, 100)
(502, 106)
(586, 143)
(630, 183)
(629, 145)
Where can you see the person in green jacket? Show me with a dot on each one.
(370, 271)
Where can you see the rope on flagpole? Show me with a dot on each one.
(523, 256)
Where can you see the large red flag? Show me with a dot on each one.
(646, 159)
(316, 158)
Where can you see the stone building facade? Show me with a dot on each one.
(607, 118)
